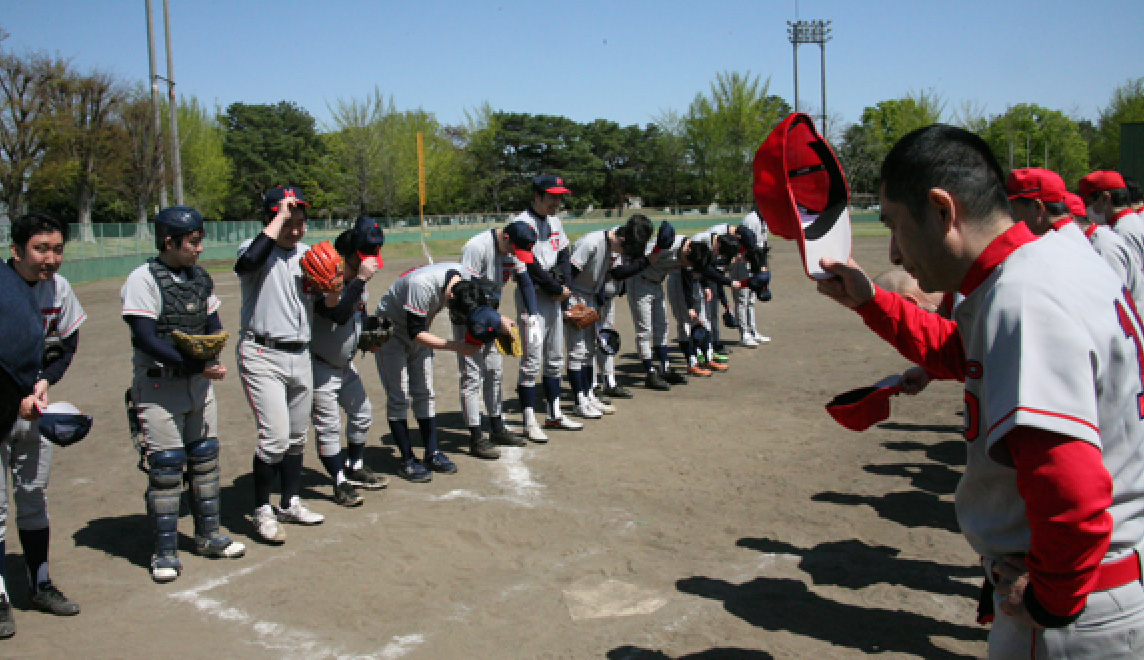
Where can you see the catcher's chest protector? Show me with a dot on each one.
(184, 303)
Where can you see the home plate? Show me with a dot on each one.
(610, 598)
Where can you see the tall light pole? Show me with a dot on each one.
(158, 127)
(176, 168)
(810, 32)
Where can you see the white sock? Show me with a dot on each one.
(3, 590)
(529, 417)
(340, 478)
(610, 379)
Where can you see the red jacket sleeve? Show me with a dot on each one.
(922, 337)
(1067, 492)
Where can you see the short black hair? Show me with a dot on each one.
(1119, 197)
(30, 224)
(1052, 209)
(698, 255)
(1135, 193)
(943, 156)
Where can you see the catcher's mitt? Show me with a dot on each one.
(323, 267)
(581, 316)
(375, 331)
(200, 347)
(510, 344)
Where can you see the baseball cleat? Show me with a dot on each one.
(412, 470)
(696, 370)
(484, 448)
(365, 478)
(717, 366)
(587, 411)
(219, 547)
(267, 524)
(49, 599)
(346, 495)
(534, 433)
(440, 463)
(605, 407)
(299, 513)
(7, 622)
(719, 357)
(674, 377)
(618, 392)
(506, 439)
(598, 396)
(564, 423)
(656, 381)
(762, 339)
(748, 342)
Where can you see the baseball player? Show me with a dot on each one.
(1107, 202)
(26, 457)
(496, 255)
(550, 270)
(1113, 249)
(671, 259)
(338, 321)
(726, 243)
(274, 357)
(172, 393)
(1048, 344)
(1135, 195)
(405, 362)
(745, 298)
(1037, 197)
(593, 260)
(605, 385)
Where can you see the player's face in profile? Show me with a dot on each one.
(186, 252)
(914, 244)
(1030, 212)
(40, 258)
(549, 203)
(293, 229)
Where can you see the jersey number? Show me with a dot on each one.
(555, 243)
(1132, 330)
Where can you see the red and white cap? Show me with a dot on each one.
(864, 407)
(801, 191)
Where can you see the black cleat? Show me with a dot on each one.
(7, 621)
(507, 439)
(673, 377)
(484, 448)
(618, 392)
(49, 599)
(655, 381)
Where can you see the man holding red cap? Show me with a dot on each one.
(1111, 248)
(1107, 202)
(1037, 197)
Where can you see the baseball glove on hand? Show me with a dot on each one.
(581, 316)
(200, 347)
(510, 344)
(375, 332)
(323, 267)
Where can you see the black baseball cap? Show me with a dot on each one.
(523, 237)
(483, 325)
(549, 183)
(367, 235)
(279, 193)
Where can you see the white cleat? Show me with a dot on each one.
(563, 422)
(587, 411)
(299, 514)
(606, 408)
(762, 339)
(534, 433)
(748, 341)
(266, 521)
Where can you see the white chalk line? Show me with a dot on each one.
(295, 642)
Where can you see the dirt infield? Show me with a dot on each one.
(729, 518)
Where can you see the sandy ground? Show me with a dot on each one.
(729, 518)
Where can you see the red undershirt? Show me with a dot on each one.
(1062, 480)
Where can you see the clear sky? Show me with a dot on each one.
(621, 60)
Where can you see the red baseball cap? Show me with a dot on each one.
(1099, 181)
(1076, 204)
(801, 191)
(864, 407)
(1036, 183)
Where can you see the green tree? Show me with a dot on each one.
(207, 171)
(725, 128)
(864, 145)
(355, 142)
(1030, 135)
(669, 174)
(271, 145)
(143, 172)
(860, 154)
(1126, 105)
(27, 85)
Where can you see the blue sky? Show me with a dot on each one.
(620, 60)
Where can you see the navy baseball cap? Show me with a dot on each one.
(747, 238)
(279, 193)
(523, 237)
(367, 236)
(549, 183)
(483, 325)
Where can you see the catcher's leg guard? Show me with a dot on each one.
(203, 458)
(165, 476)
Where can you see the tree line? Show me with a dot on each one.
(84, 145)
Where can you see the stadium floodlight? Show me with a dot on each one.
(810, 32)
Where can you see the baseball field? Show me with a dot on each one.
(728, 518)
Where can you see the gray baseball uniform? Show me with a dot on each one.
(1130, 227)
(593, 257)
(647, 298)
(1116, 253)
(709, 309)
(745, 298)
(484, 371)
(273, 351)
(25, 455)
(406, 367)
(337, 382)
(549, 355)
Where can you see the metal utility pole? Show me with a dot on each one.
(176, 168)
(158, 120)
(810, 32)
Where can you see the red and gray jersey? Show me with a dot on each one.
(1116, 253)
(141, 296)
(593, 257)
(420, 291)
(480, 254)
(60, 309)
(669, 260)
(1051, 343)
(276, 302)
(550, 240)
(1130, 227)
(707, 235)
(335, 343)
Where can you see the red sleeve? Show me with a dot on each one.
(922, 337)
(1067, 492)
